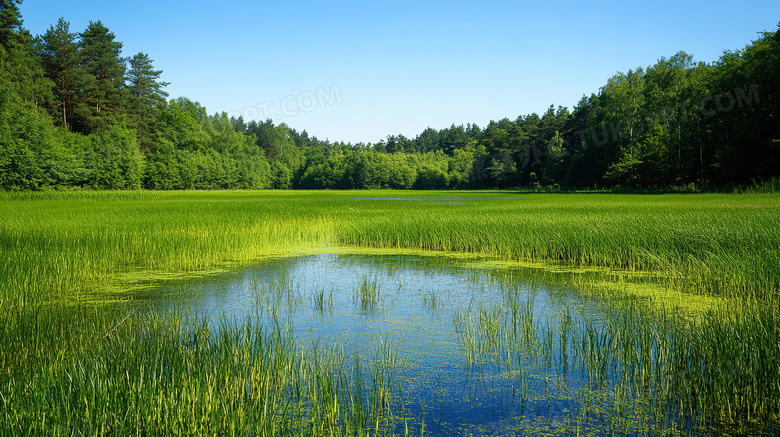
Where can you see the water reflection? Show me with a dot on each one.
(476, 350)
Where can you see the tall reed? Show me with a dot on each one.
(162, 374)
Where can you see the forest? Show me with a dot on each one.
(76, 113)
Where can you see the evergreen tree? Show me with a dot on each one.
(238, 124)
(105, 95)
(147, 97)
(20, 70)
(10, 20)
(60, 56)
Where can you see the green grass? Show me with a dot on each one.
(717, 373)
(74, 367)
(706, 244)
(62, 244)
(175, 374)
(367, 293)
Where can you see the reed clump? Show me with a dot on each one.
(367, 292)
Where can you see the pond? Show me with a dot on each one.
(474, 350)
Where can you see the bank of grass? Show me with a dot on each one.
(56, 246)
(725, 245)
(63, 362)
(61, 244)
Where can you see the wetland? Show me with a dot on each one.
(341, 314)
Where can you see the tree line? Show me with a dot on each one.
(76, 113)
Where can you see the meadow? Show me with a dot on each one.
(79, 358)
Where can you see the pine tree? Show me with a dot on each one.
(61, 61)
(105, 94)
(147, 97)
(10, 20)
(20, 72)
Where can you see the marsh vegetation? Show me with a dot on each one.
(345, 313)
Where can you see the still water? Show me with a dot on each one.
(478, 351)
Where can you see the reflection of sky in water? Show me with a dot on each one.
(431, 367)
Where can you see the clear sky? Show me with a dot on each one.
(358, 71)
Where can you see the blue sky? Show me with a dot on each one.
(358, 71)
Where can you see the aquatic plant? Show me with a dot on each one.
(79, 358)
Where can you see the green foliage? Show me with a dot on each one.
(673, 124)
(10, 18)
(431, 178)
(27, 146)
(332, 173)
(197, 151)
(61, 60)
(623, 171)
(21, 74)
(382, 170)
(104, 98)
(116, 160)
(148, 97)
